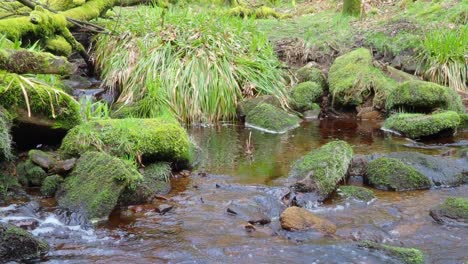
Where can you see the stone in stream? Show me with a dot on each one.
(405, 255)
(17, 244)
(164, 208)
(454, 211)
(356, 192)
(298, 219)
(95, 185)
(244, 107)
(249, 211)
(304, 96)
(271, 119)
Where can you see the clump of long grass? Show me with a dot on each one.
(196, 66)
(444, 58)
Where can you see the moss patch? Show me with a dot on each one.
(271, 119)
(321, 169)
(30, 174)
(420, 125)
(420, 96)
(248, 104)
(153, 139)
(353, 79)
(454, 208)
(94, 186)
(18, 244)
(305, 94)
(356, 192)
(405, 255)
(50, 185)
(393, 175)
(311, 74)
(5, 138)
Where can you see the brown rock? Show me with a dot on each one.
(295, 219)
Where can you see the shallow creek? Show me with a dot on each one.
(238, 166)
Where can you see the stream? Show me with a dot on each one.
(240, 167)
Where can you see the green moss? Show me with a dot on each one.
(321, 169)
(420, 125)
(311, 74)
(5, 138)
(271, 119)
(58, 46)
(248, 104)
(353, 79)
(356, 192)
(453, 208)
(95, 184)
(50, 185)
(305, 94)
(53, 106)
(153, 139)
(30, 174)
(405, 255)
(18, 244)
(394, 175)
(414, 96)
(352, 7)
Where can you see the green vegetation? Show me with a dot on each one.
(95, 184)
(30, 174)
(200, 64)
(304, 95)
(420, 125)
(18, 244)
(455, 208)
(352, 7)
(7, 183)
(393, 175)
(321, 169)
(356, 192)
(311, 74)
(405, 255)
(50, 185)
(153, 139)
(248, 104)
(5, 138)
(271, 119)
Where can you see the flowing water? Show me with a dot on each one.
(238, 167)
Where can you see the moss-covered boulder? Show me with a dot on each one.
(30, 174)
(32, 102)
(17, 244)
(5, 138)
(405, 255)
(50, 185)
(453, 211)
(356, 192)
(305, 95)
(420, 125)
(423, 97)
(271, 119)
(158, 139)
(321, 169)
(393, 175)
(156, 180)
(311, 74)
(43, 159)
(95, 185)
(353, 80)
(248, 104)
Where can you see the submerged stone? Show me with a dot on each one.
(393, 175)
(305, 95)
(271, 119)
(17, 244)
(454, 211)
(405, 255)
(420, 125)
(356, 192)
(95, 185)
(297, 219)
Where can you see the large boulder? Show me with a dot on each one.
(393, 175)
(17, 244)
(353, 80)
(405, 255)
(320, 170)
(298, 219)
(423, 97)
(94, 186)
(5, 138)
(158, 139)
(271, 119)
(453, 211)
(305, 95)
(417, 126)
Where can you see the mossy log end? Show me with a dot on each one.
(25, 61)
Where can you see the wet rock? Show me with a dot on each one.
(50, 185)
(77, 82)
(393, 175)
(312, 114)
(454, 211)
(63, 166)
(321, 169)
(17, 244)
(71, 218)
(304, 96)
(30, 174)
(405, 255)
(356, 192)
(164, 208)
(297, 219)
(358, 165)
(28, 224)
(271, 119)
(244, 107)
(249, 211)
(43, 159)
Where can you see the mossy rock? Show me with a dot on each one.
(271, 119)
(5, 137)
(158, 139)
(50, 185)
(405, 255)
(43, 159)
(247, 105)
(8, 185)
(17, 244)
(453, 211)
(420, 125)
(321, 169)
(95, 185)
(311, 74)
(156, 180)
(393, 175)
(356, 192)
(49, 106)
(353, 79)
(305, 95)
(30, 174)
(425, 97)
